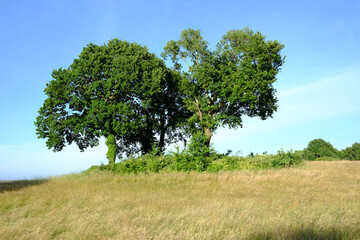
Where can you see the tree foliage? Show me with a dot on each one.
(234, 80)
(122, 92)
(119, 91)
(351, 153)
(318, 148)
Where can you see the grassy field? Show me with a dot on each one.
(320, 200)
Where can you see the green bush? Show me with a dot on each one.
(184, 161)
(197, 156)
(280, 160)
(145, 164)
(285, 159)
(159, 163)
(225, 163)
(132, 165)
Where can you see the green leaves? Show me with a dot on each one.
(222, 85)
(351, 153)
(318, 148)
(118, 89)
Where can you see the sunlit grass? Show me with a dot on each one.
(320, 200)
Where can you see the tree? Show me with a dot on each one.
(119, 91)
(222, 85)
(351, 153)
(319, 148)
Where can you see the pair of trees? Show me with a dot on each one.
(128, 95)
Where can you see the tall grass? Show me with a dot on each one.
(319, 200)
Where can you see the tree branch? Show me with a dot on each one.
(184, 59)
(198, 109)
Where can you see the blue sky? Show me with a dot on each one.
(318, 87)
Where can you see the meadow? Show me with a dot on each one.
(316, 200)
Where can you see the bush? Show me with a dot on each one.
(318, 148)
(285, 159)
(184, 161)
(196, 156)
(226, 163)
(144, 164)
(280, 160)
(159, 163)
(132, 165)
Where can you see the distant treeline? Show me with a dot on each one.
(318, 149)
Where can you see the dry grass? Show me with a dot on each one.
(320, 200)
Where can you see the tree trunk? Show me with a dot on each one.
(112, 149)
(147, 139)
(208, 135)
(146, 146)
(161, 142)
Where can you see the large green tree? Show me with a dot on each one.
(234, 80)
(351, 153)
(119, 91)
(318, 148)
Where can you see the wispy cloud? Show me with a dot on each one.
(307, 87)
(327, 97)
(301, 110)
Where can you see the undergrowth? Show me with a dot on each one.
(184, 162)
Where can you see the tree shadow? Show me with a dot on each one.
(306, 233)
(8, 186)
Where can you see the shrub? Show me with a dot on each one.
(196, 156)
(285, 159)
(280, 160)
(132, 165)
(158, 163)
(225, 163)
(145, 164)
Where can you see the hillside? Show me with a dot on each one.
(319, 200)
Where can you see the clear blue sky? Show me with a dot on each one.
(318, 87)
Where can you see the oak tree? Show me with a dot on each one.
(234, 80)
(119, 91)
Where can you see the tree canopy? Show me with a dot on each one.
(122, 92)
(351, 153)
(119, 91)
(234, 80)
(318, 148)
